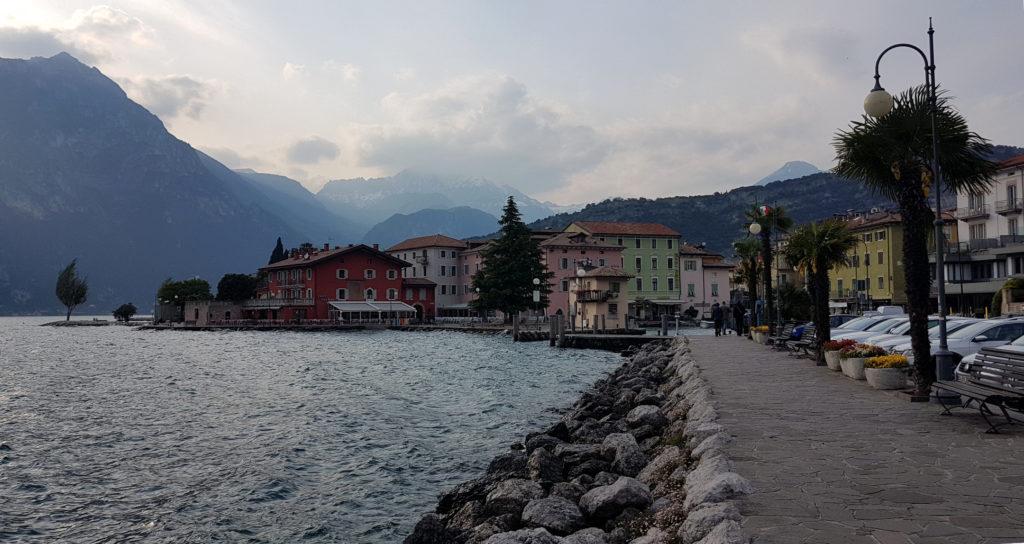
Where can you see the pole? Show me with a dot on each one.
(943, 358)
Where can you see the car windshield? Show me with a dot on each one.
(884, 325)
(1018, 342)
(859, 324)
(951, 327)
(973, 329)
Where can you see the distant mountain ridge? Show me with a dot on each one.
(790, 170)
(460, 222)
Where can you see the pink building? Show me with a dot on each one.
(566, 252)
(704, 278)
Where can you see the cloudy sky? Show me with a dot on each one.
(568, 101)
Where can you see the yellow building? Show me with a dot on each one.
(782, 271)
(601, 298)
(875, 274)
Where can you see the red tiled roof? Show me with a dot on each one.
(688, 249)
(629, 229)
(1012, 161)
(434, 240)
(316, 256)
(565, 239)
(607, 272)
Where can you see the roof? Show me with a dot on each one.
(873, 220)
(371, 306)
(629, 229)
(688, 249)
(566, 239)
(434, 240)
(1012, 162)
(607, 272)
(320, 255)
(417, 281)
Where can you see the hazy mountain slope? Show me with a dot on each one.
(460, 222)
(87, 173)
(790, 170)
(371, 201)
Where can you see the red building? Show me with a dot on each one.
(357, 283)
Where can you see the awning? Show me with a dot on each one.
(372, 306)
(666, 302)
(460, 306)
(837, 304)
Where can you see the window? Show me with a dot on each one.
(369, 273)
(671, 263)
(601, 262)
(867, 237)
(408, 293)
(451, 269)
(839, 287)
(444, 289)
(619, 242)
(855, 261)
(370, 294)
(669, 242)
(309, 293)
(392, 273)
(341, 294)
(616, 287)
(880, 259)
(443, 270)
(295, 274)
(977, 232)
(654, 243)
(465, 269)
(637, 243)
(1011, 227)
(639, 264)
(424, 271)
(654, 284)
(565, 286)
(392, 294)
(691, 290)
(309, 273)
(867, 259)
(671, 284)
(639, 284)
(714, 289)
(613, 309)
(423, 293)
(443, 254)
(654, 263)
(881, 282)
(342, 273)
(689, 264)
(564, 263)
(281, 275)
(880, 235)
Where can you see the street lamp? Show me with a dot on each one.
(879, 103)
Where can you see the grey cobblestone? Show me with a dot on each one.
(832, 460)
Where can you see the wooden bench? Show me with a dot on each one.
(994, 380)
(783, 335)
(808, 341)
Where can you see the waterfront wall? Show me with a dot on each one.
(638, 459)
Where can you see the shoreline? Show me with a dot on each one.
(638, 459)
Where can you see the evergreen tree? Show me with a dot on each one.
(71, 290)
(278, 254)
(236, 287)
(510, 265)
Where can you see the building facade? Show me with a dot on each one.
(875, 275)
(704, 278)
(567, 252)
(435, 258)
(650, 253)
(600, 297)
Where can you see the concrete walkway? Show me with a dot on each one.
(835, 461)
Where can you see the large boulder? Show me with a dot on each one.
(541, 440)
(627, 456)
(511, 496)
(511, 463)
(525, 536)
(700, 522)
(556, 514)
(570, 490)
(431, 530)
(609, 501)
(591, 535)
(646, 415)
(544, 466)
(660, 466)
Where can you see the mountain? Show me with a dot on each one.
(370, 201)
(718, 219)
(86, 173)
(459, 222)
(790, 170)
(563, 208)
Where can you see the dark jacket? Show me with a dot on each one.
(716, 313)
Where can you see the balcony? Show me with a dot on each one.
(593, 295)
(980, 211)
(271, 303)
(1008, 207)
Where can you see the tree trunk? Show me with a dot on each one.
(822, 330)
(917, 219)
(766, 256)
(68, 316)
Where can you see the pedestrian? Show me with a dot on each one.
(716, 316)
(738, 313)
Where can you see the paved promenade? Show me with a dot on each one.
(834, 461)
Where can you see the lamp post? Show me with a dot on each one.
(479, 312)
(536, 293)
(877, 104)
(755, 229)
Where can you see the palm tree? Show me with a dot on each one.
(748, 250)
(892, 156)
(768, 218)
(816, 248)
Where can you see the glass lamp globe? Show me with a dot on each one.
(878, 103)
(755, 228)
(580, 272)
(536, 281)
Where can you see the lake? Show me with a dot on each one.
(163, 436)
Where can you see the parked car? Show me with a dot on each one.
(837, 320)
(1017, 346)
(857, 325)
(885, 310)
(988, 333)
(901, 334)
(882, 325)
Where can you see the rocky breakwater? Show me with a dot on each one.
(638, 459)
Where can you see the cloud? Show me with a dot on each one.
(405, 74)
(233, 159)
(312, 150)
(26, 42)
(170, 96)
(818, 53)
(481, 125)
(91, 35)
(291, 70)
(349, 72)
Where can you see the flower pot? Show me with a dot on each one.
(886, 378)
(832, 360)
(853, 367)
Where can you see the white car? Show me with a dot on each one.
(1017, 346)
(857, 325)
(883, 325)
(901, 334)
(988, 333)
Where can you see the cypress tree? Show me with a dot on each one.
(510, 264)
(278, 254)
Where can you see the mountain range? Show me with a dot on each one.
(790, 170)
(458, 222)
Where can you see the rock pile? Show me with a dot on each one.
(639, 459)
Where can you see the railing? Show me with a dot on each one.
(258, 303)
(973, 212)
(593, 295)
(1008, 206)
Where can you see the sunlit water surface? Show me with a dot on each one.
(117, 435)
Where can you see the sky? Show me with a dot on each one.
(568, 101)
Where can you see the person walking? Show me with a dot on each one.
(716, 316)
(738, 313)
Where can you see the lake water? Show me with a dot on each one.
(122, 435)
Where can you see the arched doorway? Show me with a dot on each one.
(419, 312)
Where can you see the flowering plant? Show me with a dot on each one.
(759, 328)
(837, 345)
(887, 361)
(861, 351)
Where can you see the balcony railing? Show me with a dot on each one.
(258, 303)
(1005, 207)
(593, 295)
(973, 212)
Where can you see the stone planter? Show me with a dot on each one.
(832, 360)
(853, 367)
(886, 378)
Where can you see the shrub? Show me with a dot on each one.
(837, 345)
(887, 361)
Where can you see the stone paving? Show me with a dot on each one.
(834, 461)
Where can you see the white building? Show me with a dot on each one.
(435, 258)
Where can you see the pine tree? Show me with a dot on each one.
(278, 254)
(510, 264)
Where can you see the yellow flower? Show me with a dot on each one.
(886, 361)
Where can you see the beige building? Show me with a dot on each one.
(600, 298)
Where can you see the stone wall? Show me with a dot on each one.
(639, 459)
